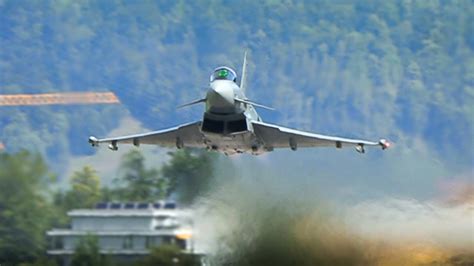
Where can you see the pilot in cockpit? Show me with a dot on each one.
(224, 73)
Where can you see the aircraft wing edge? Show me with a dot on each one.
(291, 137)
(160, 137)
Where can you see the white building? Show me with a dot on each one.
(124, 230)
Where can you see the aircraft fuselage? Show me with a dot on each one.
(226, 123)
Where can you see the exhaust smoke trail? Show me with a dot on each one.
(253, 220)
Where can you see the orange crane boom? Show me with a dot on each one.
(59, 98)
(64, 98)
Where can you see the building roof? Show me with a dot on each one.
(102, 251)
(124, 213)
(68, 232)
(130, 209)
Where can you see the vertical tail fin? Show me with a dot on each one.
(243, 79)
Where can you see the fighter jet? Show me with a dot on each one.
(231, 125)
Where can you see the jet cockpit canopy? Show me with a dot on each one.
(224, 73)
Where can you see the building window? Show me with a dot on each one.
(58, 242)
(168, 240)
(148, 242)
(154, 241)
(55, 242)
(181, 243)
(127, 242)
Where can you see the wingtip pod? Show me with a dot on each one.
(385, 144)
(93, 141)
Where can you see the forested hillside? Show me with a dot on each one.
(401, 69)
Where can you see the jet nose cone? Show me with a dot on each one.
(220, 97)
(225, 94)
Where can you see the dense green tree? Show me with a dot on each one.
(190, 173)
(169, 255)
(87, 253)
(137, 182)
(108, 194)
(42, 261)
(25, 212)
(84, 190)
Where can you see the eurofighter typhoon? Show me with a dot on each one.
(231, 125)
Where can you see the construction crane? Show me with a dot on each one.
(64, 98)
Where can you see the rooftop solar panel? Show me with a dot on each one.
(129, 205)
(115, 205)
(143, 205)
(101, 205)
(170, 205)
